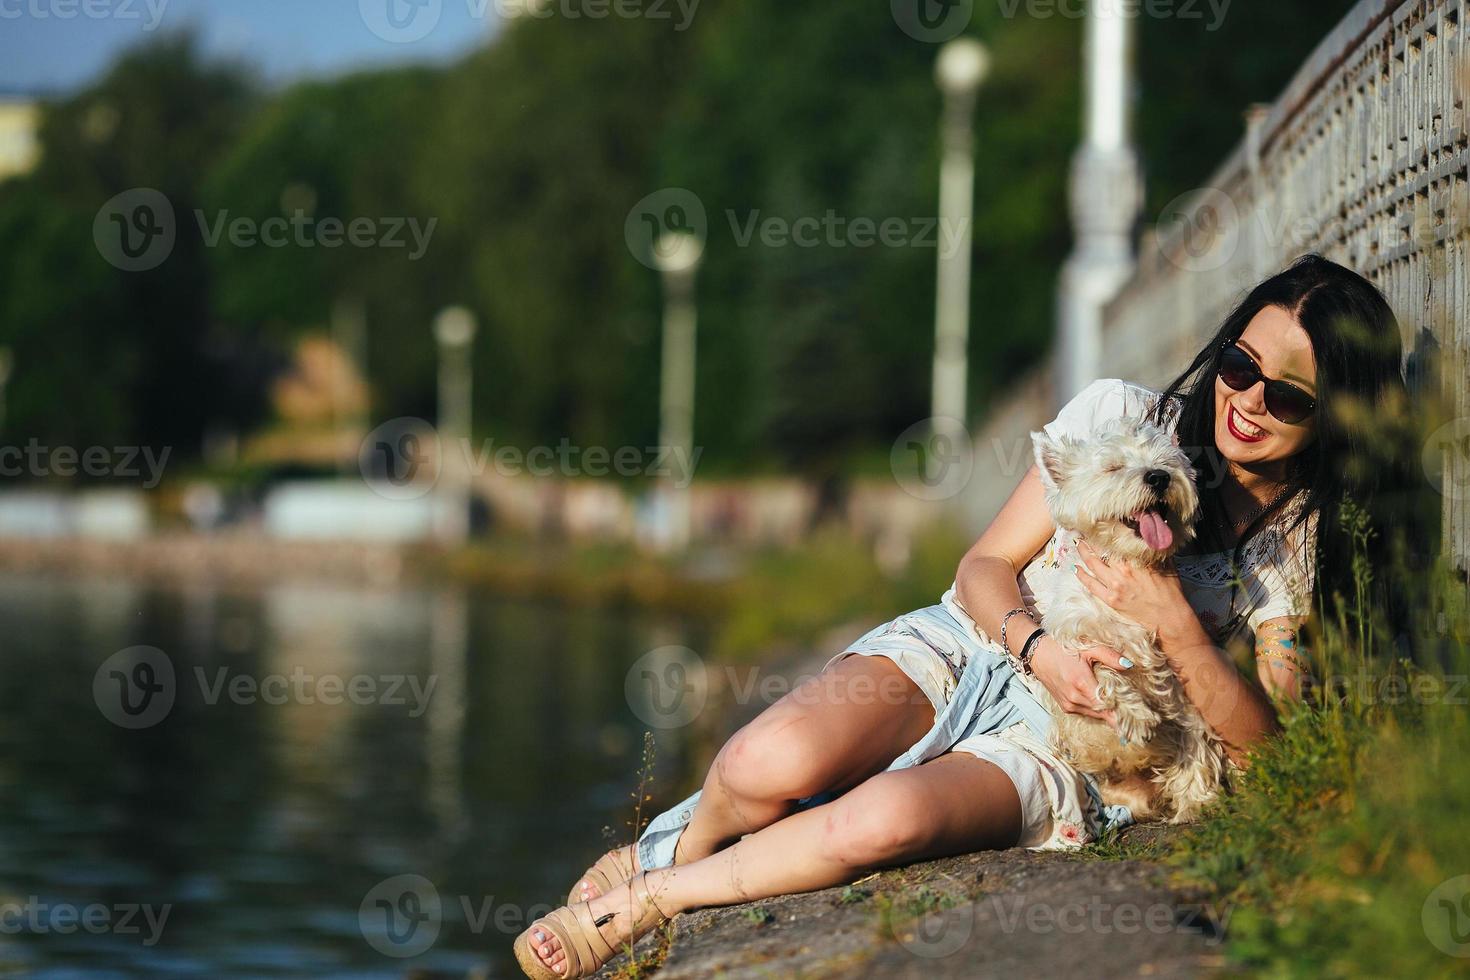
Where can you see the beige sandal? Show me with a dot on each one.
(582, 945)
(610, 871)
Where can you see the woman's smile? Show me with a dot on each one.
(1244, 429)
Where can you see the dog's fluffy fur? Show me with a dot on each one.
(1163, 761)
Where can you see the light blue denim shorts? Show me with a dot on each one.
(982, 708)
(1059, 805)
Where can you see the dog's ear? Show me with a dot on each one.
(1049, 459)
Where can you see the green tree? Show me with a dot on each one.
(103, 354)
(546, 140)
(345, 150)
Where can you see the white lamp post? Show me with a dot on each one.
(961, 67)
(1106, 194)
(677, 254)
(454, 329)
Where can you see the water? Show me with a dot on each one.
(238, 837)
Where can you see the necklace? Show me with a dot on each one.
(1250, 518)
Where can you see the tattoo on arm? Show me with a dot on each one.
(1278, 645)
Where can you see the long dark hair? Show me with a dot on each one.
(1351, 462)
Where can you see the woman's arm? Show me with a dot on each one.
(1238, 711)
(987, 588)
(1281, 664)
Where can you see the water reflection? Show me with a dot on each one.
(260, 813)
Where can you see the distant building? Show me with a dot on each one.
(20, 149)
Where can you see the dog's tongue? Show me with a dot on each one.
(1154, 530)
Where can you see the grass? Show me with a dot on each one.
(792, 597)
(760, 600)
(895, 910)
(757, 915)
(1338, 851)
(641, 965)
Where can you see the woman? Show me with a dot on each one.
(924, 730)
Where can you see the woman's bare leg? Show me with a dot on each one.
(829, 733)
(952, 805)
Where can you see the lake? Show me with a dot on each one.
(310, 781)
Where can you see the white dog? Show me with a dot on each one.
(1129, 493)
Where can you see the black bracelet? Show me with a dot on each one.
(1025, 655)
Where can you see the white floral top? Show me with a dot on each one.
(1275, 577)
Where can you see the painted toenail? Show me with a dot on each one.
(540, 934)
(545, 950)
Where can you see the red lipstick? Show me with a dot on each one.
(1235, 431)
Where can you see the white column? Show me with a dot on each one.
(960, 69)
(454, 329)
(677, 254)
(1106, 194)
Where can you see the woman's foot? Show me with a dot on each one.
(612, 869)
(624, 915)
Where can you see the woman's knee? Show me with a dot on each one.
(875, 826)
(776, 759)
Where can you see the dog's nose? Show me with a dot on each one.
(1157, 479)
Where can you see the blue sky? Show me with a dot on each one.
(58, 45)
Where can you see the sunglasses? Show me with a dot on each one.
(1285, 401)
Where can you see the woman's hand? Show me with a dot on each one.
(1069, 678)
(1150, 596)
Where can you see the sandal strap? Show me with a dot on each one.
(574, 928)
(642, 895)
(582, 943)
(592, 947)
(612, 869)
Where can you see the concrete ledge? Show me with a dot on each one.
(1001, 913)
